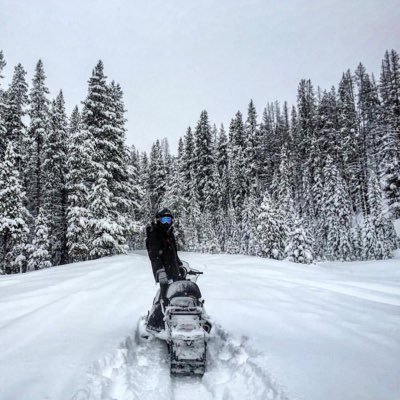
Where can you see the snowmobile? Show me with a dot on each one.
(186, 324)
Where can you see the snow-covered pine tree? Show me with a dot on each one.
(78, 178)
(16, 101)
(298, 248)
(377, 236)
(265, 149)
(2, 65)
(390, 146)
(270, 230)
(106, 235)
(125, 195)
(135, 214)
(174, 200)
(3, 143)
(306, 104)
(222, 161)
(13, 216)
(335, 221)
(203, 160)
(103, 121)
(348, 134)
(157, 177)
(145, 204)
(357, 232)
(54, 181)
(187, 161)
(39, 250)
(38, 130)
(368, 107)
(251, 136)
(326, 129)
(248, 228)
(193, 223)
(237, 162)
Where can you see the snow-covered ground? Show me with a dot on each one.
(282, 331)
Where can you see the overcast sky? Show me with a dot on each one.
(174, 58)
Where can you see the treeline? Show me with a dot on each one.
(318, 181)
(67, 191)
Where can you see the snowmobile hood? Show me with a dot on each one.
(182, 289)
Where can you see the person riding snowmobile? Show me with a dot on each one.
(163, 253)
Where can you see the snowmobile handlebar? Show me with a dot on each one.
(186, 270)
(194, 272)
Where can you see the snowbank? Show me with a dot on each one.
(307, 332)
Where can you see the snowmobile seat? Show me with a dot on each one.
(183, 289)
(184, 302)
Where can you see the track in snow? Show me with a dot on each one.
(139, 369)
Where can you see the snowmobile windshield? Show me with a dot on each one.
(183, 289)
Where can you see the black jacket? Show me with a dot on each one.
(162, 249)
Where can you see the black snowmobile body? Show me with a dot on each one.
(186, 326)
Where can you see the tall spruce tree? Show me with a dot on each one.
(13, 216)
(54, 184)
(16, 101)
(39, 250)
(37, 133)
(78, 185)
(203, 163)
(270, 230)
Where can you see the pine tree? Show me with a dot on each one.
(78, 185)
(39, 253)
(157, 177)
(203, 162)
(335, 220)
(377, 243)
(270, 230)
(125, 195)
(188, 162)
(238, 162)
(298, 248)
(390, 145)
(13, 216)
(38, 130)
(103, 123)
(106, 234)
(54, 185)
(248, 234)
(348, 135)
(251, 136)
(265, 149)
(135, 212)
(3, 143)
(16, 101)
(223, 167)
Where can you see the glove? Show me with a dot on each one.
(162, 277)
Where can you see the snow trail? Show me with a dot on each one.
(139, 369)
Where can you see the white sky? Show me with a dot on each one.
(174, 58)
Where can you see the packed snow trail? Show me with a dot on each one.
(139, 369)
(326, 331)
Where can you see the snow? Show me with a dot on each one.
(281, 331)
